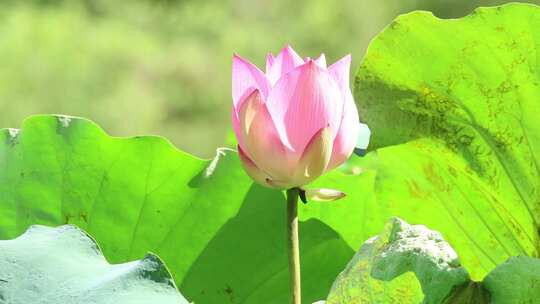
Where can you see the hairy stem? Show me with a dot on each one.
(293, 245)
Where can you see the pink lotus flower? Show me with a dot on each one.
(294, 122)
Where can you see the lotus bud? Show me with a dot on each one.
(296, 121)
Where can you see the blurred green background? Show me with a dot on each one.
(163, 67)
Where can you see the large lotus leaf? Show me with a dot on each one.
(222, 237)
(454, 107)
(64, 265)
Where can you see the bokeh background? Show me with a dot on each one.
(162, 67)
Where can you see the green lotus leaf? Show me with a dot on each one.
(64, 265)
(400, 249)
(515, 281)
(453, 105)
(222, 237)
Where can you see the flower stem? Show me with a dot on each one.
(293, 245)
